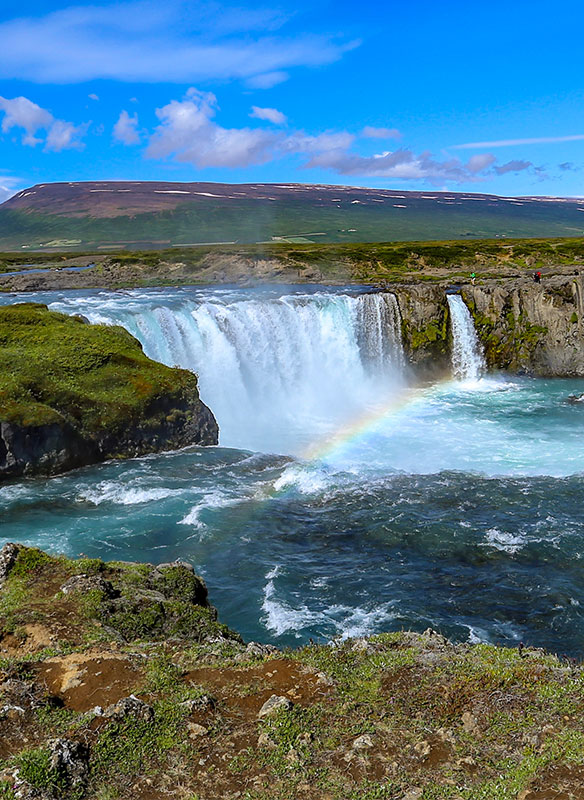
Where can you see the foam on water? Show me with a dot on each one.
(506, 542)
(110, 492)
(281, 617)
(212, 501)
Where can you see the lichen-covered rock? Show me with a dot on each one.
(274, 704)
(177, 580)
(70, 760)
(88, 583)
(8, 556)
(132, 707)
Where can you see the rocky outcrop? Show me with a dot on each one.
(524, 327)
(529, 327)
(111, 706)
(426, 333)
(73, 394)
(59, 446)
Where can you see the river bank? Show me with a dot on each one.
(116, 681)
(330, 264)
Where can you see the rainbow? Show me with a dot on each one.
(332, 444)
(406, 399)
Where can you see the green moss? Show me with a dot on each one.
(135, 747)
(88, 566)
(55, 369)
(138, 618)
(6, 791)
(35, 768)
(29, 562)
(180, 583)
(162, 674)
(574, 318)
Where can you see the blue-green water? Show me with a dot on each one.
(456, 506)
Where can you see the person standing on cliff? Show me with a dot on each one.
(472, 278)
(537, 277)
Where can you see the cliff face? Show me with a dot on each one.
(169, 424)
(530, 327)
(73, 394)
(524, 327)
(425, 327)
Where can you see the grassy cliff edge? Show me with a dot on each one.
(117, 681)
(73, 393)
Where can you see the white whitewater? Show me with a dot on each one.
(277, 371)
(468, 362)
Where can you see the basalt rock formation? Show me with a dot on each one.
(524, 327)
(73, 394)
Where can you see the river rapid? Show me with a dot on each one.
(344, 499)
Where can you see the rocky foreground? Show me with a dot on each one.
(73, 394)
(117, 681)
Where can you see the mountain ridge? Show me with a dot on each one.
(142, 214)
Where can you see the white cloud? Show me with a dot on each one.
(510, 142)
(188, 134)
(93, 96)
(20, 112)
(401, 164)
(125, 129)
(65, 136)
(143, 40)
(370, 132)
(267, 80)
(269, 114)
(301, 142)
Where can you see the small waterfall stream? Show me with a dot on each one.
(468, 362)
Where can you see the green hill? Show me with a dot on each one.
(146, 215)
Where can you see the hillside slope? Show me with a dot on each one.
(138, 215)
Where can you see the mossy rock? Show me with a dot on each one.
(73, 393)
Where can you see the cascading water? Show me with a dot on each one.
(434, 506)
(468, 362)
(277, 372)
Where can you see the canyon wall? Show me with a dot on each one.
(524, 327)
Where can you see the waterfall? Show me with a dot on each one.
(468, 362)
(277, 371)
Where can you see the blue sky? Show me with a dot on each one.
(484, 96)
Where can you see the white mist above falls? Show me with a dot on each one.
(468, 363)
(277, 371)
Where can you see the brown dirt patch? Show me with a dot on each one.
(86, 680)
(558, 783)
(244, 691)
(35, 637)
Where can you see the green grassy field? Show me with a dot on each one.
(337, 262)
